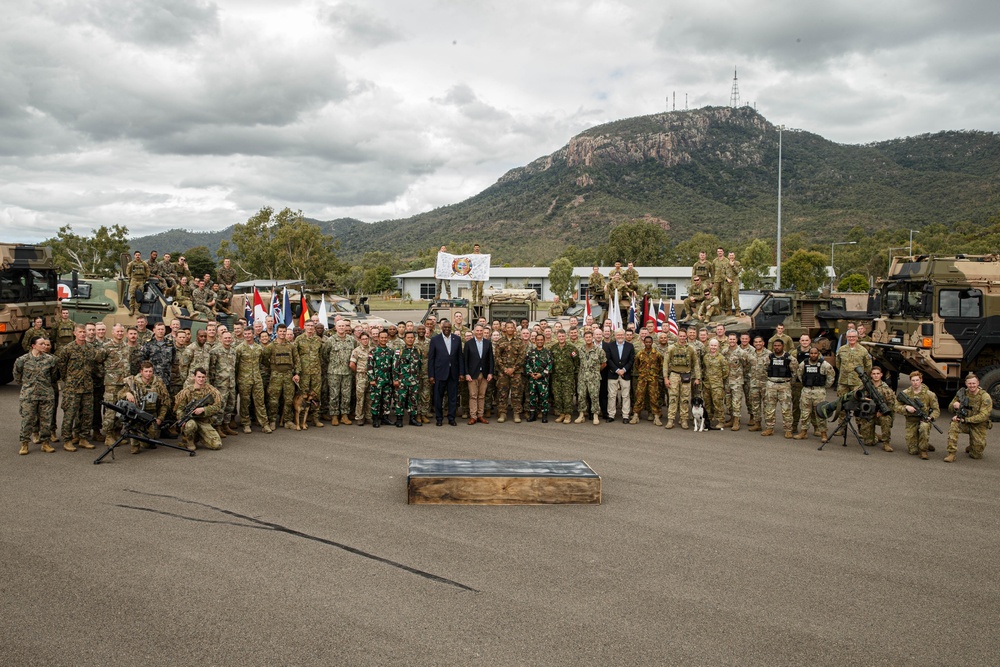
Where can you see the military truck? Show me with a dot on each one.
(28, 289)
(503, 305)
(941, 315)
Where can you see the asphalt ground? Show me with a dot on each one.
(299, 548)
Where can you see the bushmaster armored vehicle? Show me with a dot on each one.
(28, 289)
(941, 315)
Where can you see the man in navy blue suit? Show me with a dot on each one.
(444, 367)
(478, 362)
(621, 356)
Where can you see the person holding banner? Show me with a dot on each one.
(477, 285)
(439, 280)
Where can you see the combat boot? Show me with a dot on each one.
(948, 459)
(736, 424)
(531, 417)
(230, 430)
(886, 447)
(68, 446)
(317, 423)
(656, 421)
(399, 421)
(685, 426)
(84, 444)
(221, 431)
(545, 417)
(273, 426)
(291, 427)
(923, 456)
(246, 429)
(822, 436)
(634, 419)
(801, 435)
(53, 438)
(726, 424)
(108, 441)
(597, 419)
(754, 426)
(335, 420)
(267, 428)
(47, 448)
(930, 448)
(766, 432)
(344, 420)
(670, 423)
(187, 443)
(24, 449)
(579, 420)
(517, 417)
(788, 435)
(559, 419)
(134, 448)
(502, 418)
(35, 439)
(414, 421)
(488, 414)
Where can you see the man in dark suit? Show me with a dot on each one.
(444, 367)
(621, 356)
(478, 362)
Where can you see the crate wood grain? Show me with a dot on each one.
(481, 482)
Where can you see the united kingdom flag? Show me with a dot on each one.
(672, 320)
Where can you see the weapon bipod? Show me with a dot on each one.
(846, 424)
(127, 434)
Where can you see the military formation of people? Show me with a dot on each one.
(359, 374)
(202, 296)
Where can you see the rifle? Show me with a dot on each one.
(187, 412)
(963, 404)
(918, 406)
(873, 393)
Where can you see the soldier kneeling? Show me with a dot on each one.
(199, 424)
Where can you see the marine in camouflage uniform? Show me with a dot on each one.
(406, 380)
(310, 349)
(866, 425)
(222, 376)
(359, 366)
(538, 368)
(137, 272)
(381, 361)
(565, 366)
(816, 376)
(715, 377)
(184, 295)
(588, 384)
(200, 425)
(976, 421)
(283, 360)
(36, 373)
(510, 353)
(759, 357)
(339, 348)
(149, 395)
(648, 372)
(77, 362)
(250, 383)
(160, 352)
(681, 360)
(918, 431)
(781, 368)
(119, 357)
(226, 275)
(739, 366)
(204, 300)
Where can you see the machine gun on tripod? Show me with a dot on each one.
(864, 402)
(135, 423)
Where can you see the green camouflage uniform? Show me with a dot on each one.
(407, 371)
(362, 395)
(76, 368)
(715, 377)
(918, 432)
(37, 377)
(739, 367)
(202, 296)
(153, 398)
(118, 361)
(786, 341)
(138, 273)
(758, 383)
(194, 356)
(222, 376)
(565, 366)
(425, 385)
(589, 378)
(183, 298)
(538, 361)
(381, 361)
(31, 333)
(338, 372)
(720, 267)
(648, 374)
(510, 353)
(283, 360)
(779, 390)
(310, 363)
(731, 290)
(847, 361)
(866, 426)
(811, 396)
(225, 276)
(200, 425)
(976, 423)
(680, 359)
(63, 334)
(250, 383)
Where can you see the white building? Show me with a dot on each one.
(673, 281)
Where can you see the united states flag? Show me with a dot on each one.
(672, 320)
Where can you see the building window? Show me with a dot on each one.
(537, 287)
(427, 291)
(584, 289)
(668, 290)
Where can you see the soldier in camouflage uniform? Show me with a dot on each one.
(168, 271)
(592, 362)
(226, 276)
(866, 425)
(283, 359)
(36, 373)
(250, 383)
(850, 357)
(200, 424)
(160, 352)
(975, 420)
(538, 368)
(739, 366)
(359, 367)
(406, 380)
(918, 431)
(77, 362)
(184, 295)
(150, 395)
(423, 343)
(62, 333)
(137, 273)
(339, 377)
(781, 368)
(681, 362)
(779, 334)
(381, 361)
(222, 376)
(719, 267)
(144, 333)
(648, 371)
(37, 329)
(196, 355)
(510, 353)
(565, 367)
(696, 294)
(204, 299)
(731, 286)
(702, 270)
(310, 349)
(119, 357)
(715, 377)
(759, 358)
(595, 283)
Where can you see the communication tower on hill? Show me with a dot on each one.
(734, 96)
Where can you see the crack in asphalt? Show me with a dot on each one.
(259, 524)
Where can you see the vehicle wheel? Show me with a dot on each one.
(989, 379)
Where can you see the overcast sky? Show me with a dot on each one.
(187, 113)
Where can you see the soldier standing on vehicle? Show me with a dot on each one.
(918, 430)
(719, 268)
(441, 281)
(250, 383)
(310, 348)
(731, 285)
(36, 373)
(283, 359)
(150, 395)
(199, 427)
(137, 272)
(477, 285)
(226, 276)
(972, 407)
(816, 376)
(702, 269)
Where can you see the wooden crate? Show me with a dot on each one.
(476, 482)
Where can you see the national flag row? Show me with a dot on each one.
(280, 309)
(665, 321)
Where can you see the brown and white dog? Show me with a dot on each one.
(304, 402)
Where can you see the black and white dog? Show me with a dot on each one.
(698, 413)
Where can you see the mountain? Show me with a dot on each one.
(713, 170)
